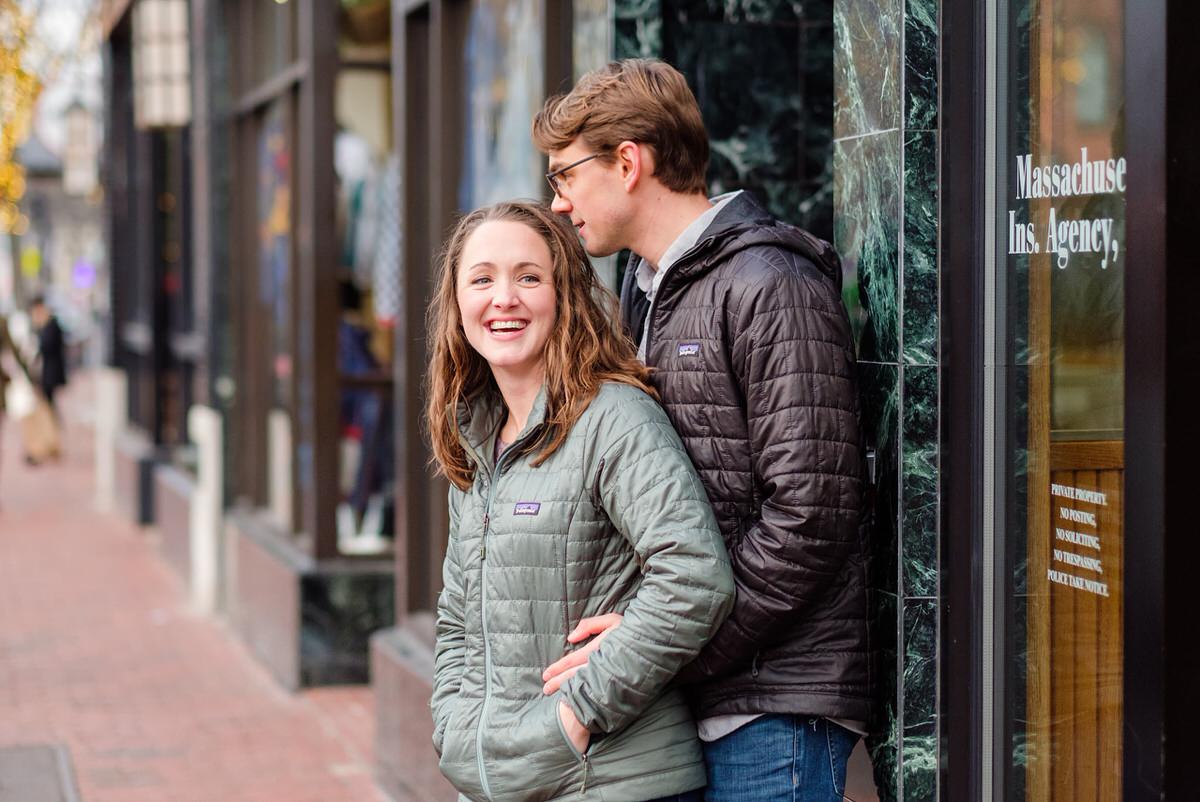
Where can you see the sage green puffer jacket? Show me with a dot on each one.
(616, 520)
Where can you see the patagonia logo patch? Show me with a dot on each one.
(526, 508)
(689, 349)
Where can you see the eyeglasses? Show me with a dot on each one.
(552, 178)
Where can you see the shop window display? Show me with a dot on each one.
(275, 246)
(367, 181)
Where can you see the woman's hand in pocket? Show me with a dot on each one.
(576, 732)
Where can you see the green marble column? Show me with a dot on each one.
(886, 227)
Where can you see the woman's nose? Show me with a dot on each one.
(504, 294)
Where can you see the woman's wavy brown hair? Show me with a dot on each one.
(585, 349)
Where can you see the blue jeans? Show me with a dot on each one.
(780, 759)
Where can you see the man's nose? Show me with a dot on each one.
(560, 204)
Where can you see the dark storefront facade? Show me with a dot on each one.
(994, 176)
(152, 339)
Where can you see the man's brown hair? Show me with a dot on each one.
(641, 100)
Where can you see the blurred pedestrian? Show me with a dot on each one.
(8, 349)
(5, 349)
(52, 351)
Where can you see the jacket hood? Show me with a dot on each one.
(743, 224)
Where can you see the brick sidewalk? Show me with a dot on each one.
(98, 652)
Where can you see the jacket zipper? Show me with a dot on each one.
(487, 647)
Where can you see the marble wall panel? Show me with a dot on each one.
(886, 228)
(919, 483)
(880, 392)
(816, 97)
(867, 65)
(920, 64)
(741, 76)
(749, 12)
(921, 296)
(919, 753)
(883, 743)
(816, 9)
(866, 203)
(637, 28)
(763, 76)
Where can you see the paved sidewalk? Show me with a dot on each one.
(99, 653)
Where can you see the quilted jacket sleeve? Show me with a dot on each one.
(649, 490)
(794, 358)
(449, 655)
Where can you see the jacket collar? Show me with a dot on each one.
(480, 419)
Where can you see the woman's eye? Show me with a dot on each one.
(480, 280)
(529, 279)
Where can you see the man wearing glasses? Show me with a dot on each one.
(741, 318)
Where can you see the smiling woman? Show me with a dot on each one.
(572, 496)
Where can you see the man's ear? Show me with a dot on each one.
(635, 162)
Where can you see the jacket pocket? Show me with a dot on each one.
(457, 753)
(528, 755)
(443, 723)
(584, 757)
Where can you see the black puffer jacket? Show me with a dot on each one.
(753, 357)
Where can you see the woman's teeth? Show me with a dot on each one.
(508, 325)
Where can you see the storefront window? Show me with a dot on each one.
(505, 60)
(275, 246)
(368, 193)
(1062, 271)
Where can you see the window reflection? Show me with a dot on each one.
(505, 60)
(1063, 236)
